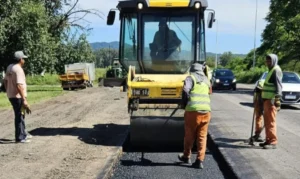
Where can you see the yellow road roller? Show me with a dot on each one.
(159, 40)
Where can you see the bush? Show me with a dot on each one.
(250, 76)
(48, 79)
(100, 72)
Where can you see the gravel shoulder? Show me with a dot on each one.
(74, 135)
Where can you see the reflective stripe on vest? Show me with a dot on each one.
(199, 98)
(269, 89)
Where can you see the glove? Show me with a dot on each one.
(277, 103)
(25, 109)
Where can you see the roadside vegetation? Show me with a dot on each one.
(281, 36)
(36, 94)
(41, 88)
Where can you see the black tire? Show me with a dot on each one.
(66, 89)
(234, 88)
(124, 88)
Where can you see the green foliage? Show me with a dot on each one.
(73, 51)
(100, 72)
(249, 76)
(48, 79)
(282, 34)
(105, 57)
(35, 94)
(225, 58)
(236, 64)
(210, 61)
(41, 29)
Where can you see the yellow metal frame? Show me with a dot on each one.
(166, 86)
(169, 3)
(74, 77)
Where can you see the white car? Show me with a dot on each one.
(290, 87)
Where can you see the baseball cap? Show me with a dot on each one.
(19, 55)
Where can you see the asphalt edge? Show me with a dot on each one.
(113, 159)
(219, 155)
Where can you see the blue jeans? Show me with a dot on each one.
(20, 133)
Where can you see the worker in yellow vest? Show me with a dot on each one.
(197, 115)
(271, 93)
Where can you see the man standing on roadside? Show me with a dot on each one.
(16, 89)
(197, 116)
(271, 93)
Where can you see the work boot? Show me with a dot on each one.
(198, 164)
(184, 159)
(257, 138)
(263, 144)
(270, 146)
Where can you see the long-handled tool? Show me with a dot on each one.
(251, 140)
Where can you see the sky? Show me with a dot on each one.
(235, 25)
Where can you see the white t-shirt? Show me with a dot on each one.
(15, 75)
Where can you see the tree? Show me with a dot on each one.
(105, 56)
(225, 58)
(210, 61)
(74, 51)
(25, 27)
(41, 29)
(282, 34)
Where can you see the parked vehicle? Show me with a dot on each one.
(290, 87)
(223, 79)
(78, 75)
(115, 76)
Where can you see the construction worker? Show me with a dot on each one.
(271, 93)
(258, 108)
(197, 114)
(16, 90)
(165, 43)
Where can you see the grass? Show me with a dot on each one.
(35, 95)
(41, 88)
(48, 79)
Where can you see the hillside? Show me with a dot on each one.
(99, 45)
(115, 45)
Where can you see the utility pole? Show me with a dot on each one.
(216, 60)
(109, 55)
(254, 55)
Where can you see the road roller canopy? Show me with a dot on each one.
(161, 36)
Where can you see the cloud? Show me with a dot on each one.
(101, 5)
(238, 17)
(235, 18)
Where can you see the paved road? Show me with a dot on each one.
(163, 165)
(229, 129)
(231, 125)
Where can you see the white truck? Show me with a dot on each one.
(78, 75)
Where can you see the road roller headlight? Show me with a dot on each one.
(140, 6)
(140, 92)
(197, 5)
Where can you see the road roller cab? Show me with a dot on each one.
(159, 40)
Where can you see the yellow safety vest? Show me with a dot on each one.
(269, 89)
(199, 97)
